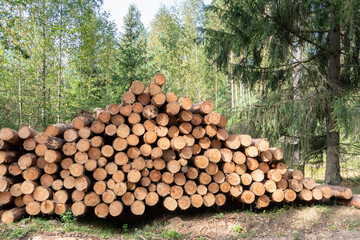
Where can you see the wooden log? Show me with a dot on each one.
(54, 143)
(94, 153)
(196, 200)
(325, 189)
(29, 144)
(296, 174)
(5, 198)
(274, 175)
(47, 207)
(128, 198)
(185, 116)
(82, 183)
(211, 130)
(85, 133)
(282, 184)
(247, 197)
(278, 195)
(26, 187)
(144, 98)
(61, 196)
(261, 144)
(266, 156)
(53, 156)
(81, 157)
(317, 194)
(61, 208)
(295, 185)
(257, 175)
(125, 109)
(204, 143)
(26, 132)
(14, 169)
(270, 186)
(277, 153)
(233, 142)
(257, 188)
(69, 149)
(4, 169)
(78, 208)
(27, 160)
(119, 119)
(158, 99)
(251, 151)
(80, 122)
(8, 156)
(137, 87)
(252, 164)
(97, 127)
(239, 157)
(172, 108)
(246, 140)
(42, 193)
(226, 154)
(7, 184)
(213, 187)
(262, 201)
(204, 107)
(184, 202)
(31, 173)
(150, 112)
(113, 109)
(201, 189)
(212, 168)
(246, 179)
(308, 183)
(338, 192)
(108, 196)
(220, 199)
(198, 132)
(128, 97)
(91, 199)
(236, 191)
(185, 103)
(354, 201)
(219, 177)
(225, 187)
(171, 97)
(111, 129)
(33, 208)
(5, 146)
(71, 135)
(305, 195)
(116, 208)
(18, 202)
(57, 130)
(77, 195)
(9, 135)
(107, 151)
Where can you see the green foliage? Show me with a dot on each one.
(68, 217)
(166, 234)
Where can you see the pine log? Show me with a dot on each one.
(9, 135)
(204, 107)
(57, 130)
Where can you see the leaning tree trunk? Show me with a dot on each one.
(332, 174)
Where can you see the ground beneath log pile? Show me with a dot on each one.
(281, 222)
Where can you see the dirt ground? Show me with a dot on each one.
(282, 222)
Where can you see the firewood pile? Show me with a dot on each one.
(153, 148)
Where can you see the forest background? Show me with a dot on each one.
(286, 70)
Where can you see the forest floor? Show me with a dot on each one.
(277, 222)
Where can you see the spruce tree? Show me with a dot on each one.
(132, 56)
(265, 37)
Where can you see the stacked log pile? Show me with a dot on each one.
(154, 148)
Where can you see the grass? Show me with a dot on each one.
(94, 227)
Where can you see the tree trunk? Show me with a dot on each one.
(332, 173)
